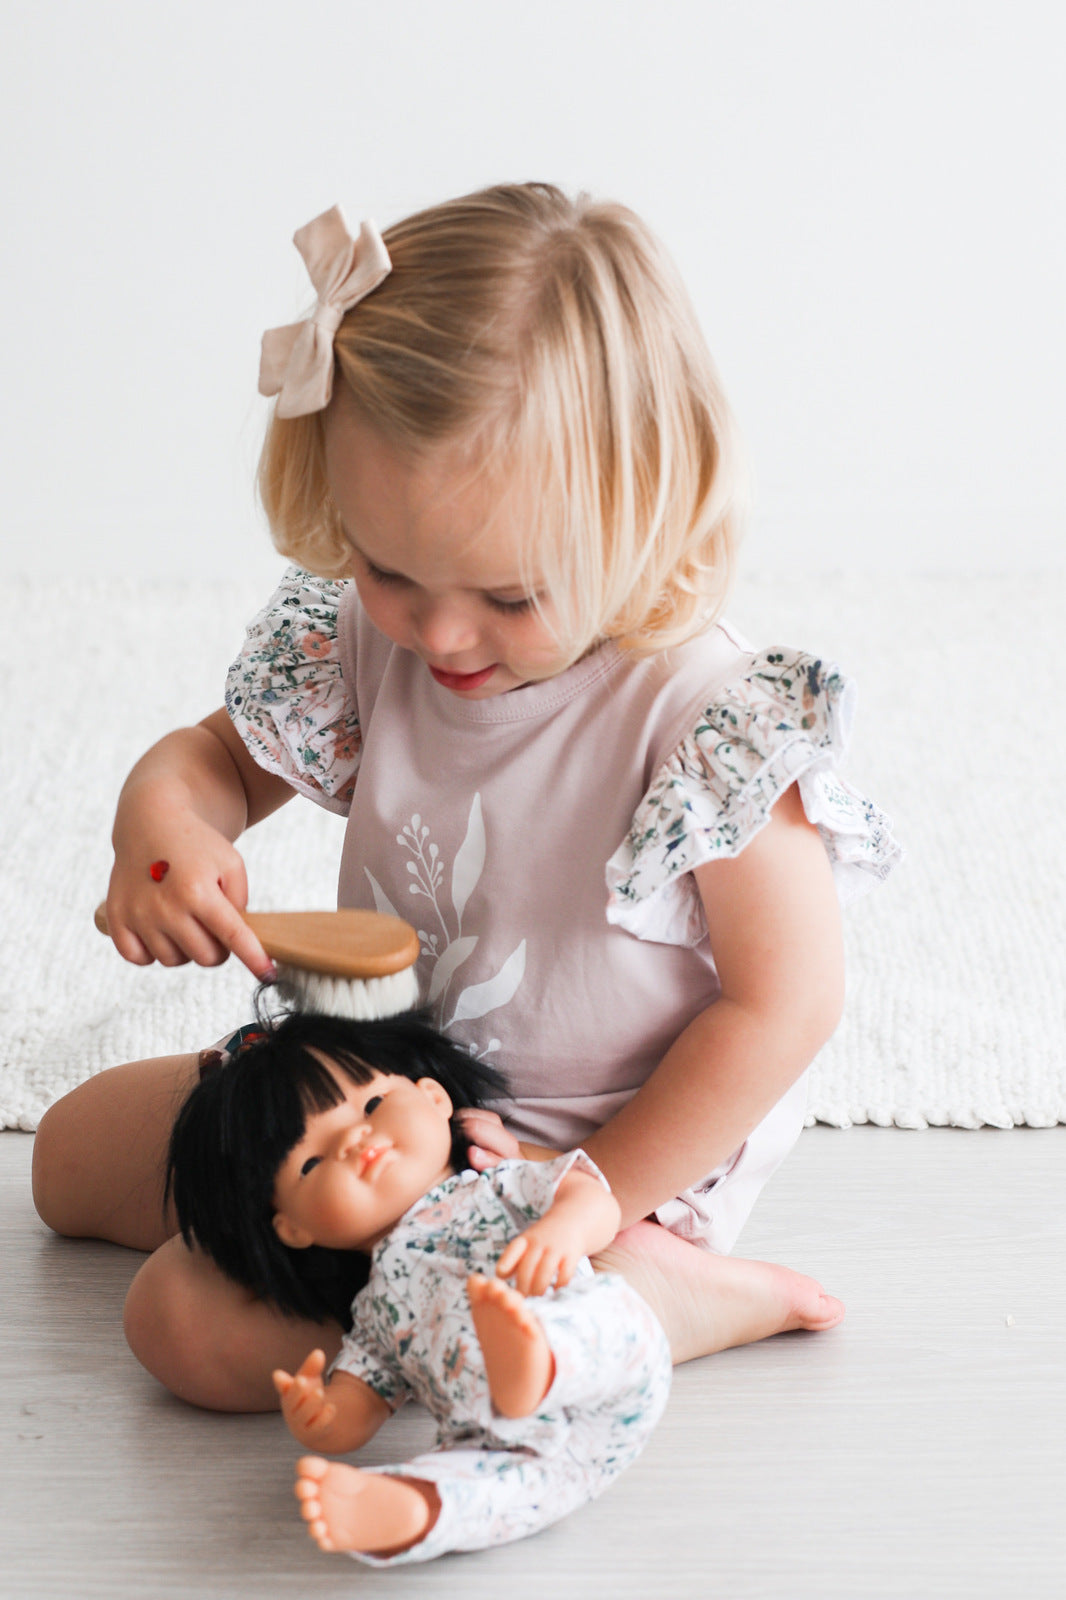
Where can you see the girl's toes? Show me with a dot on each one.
(833, 1311)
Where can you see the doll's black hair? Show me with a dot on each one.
(238, 1124)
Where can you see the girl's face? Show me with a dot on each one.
(436, 561)
(362, 1164)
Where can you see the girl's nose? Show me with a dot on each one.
(444, 628)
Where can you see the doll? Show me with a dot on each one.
(330, 1136)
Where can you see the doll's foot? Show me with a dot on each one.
(518, 1360)
(708, 1303)
(373, 1512)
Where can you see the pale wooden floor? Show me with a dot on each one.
(918, 1450)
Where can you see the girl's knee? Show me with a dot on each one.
(54, 1175)
(163, 1327)
(99, 1153)
(209, 1341)
(179, 1321)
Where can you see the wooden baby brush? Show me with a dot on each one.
(357, 964)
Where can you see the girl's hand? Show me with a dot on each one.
(193, 912)
(490, 1142)
(304, 1406)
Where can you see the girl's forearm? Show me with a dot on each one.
(204, 770)
(711, 1089)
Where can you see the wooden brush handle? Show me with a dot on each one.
(339, 944)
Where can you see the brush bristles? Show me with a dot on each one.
(360, 999)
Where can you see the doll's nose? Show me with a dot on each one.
(352, 1138)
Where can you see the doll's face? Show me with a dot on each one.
(361, 1164)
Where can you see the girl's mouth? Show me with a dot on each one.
(458, 681)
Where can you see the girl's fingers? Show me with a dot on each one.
(163, 948)
(131, 947)
(283, 1381)
(485, 1129)
(235, 937)
(313, 1365)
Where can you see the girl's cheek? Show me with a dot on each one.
(385, 611)
(534, 645)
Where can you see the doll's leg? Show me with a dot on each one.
(594, 1345)
(450, 1500)
(609, 1385)
(209, 1341)
(519, 1363)
(369, 1514)
(99, 1153)
(708, 1302)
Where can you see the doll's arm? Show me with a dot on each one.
(582, 1218)
(185, 802)
(774, 923)
(337, 1416)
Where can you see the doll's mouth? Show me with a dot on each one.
(371, 1158)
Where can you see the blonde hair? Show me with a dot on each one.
(555, 336)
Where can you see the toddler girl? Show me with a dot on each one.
(503, 464)
(330, 1135)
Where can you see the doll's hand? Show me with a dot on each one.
(542, 1257)
(489, 1141)
(303, 1399)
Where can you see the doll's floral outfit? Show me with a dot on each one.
(413, 1337)
(542, 842)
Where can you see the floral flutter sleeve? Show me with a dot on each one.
(286, 695)
(785, 721)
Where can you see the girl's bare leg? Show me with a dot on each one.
(98, 1167)
(209, 1341)
(99, 1153)
(707, 1302)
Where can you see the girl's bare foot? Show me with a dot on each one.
(707, 1302)
(518, 1359)
(374, 1512)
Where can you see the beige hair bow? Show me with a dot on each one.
(297, 361)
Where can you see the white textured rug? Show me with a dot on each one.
(956, 989)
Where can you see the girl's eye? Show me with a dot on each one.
(382, 577)
(372, 1104)
(312, 1161)
(511, 607)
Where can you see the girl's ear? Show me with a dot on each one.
(289, 1233)
(438, 1094)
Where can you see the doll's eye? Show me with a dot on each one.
(312, 1161)
(372, 1104)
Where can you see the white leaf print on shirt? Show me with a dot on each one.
(469, 860)
(481, 998)
(426, 869)
(381, 900)
(451, 957)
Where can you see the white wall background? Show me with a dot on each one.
(867, 201)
